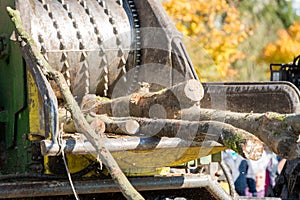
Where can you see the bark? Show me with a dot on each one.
(96, 124)
(236, 139)
(81, 124)
(233, 138)
(280, 132)
(126, 127)
(162, 104)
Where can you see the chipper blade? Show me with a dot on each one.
(95, 43)
(86, 40)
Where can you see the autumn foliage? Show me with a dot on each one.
(286, 47)
(215, 28)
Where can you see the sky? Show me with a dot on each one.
(296, 6)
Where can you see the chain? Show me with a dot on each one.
(137, 44)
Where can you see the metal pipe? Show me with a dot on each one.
(82, 146)
(54, 188)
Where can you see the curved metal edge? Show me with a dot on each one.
(50, 104)
(239, 89)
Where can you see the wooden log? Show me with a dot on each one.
(96, 124)
(162, 104)
(280, 132)
(126, 127)
(236, 139)
(31, 49)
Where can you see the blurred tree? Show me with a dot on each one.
(225, 32)
(286, 47)
(216, 31)
(265, 17)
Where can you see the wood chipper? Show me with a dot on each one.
(99, 97)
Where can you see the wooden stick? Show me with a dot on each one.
(126, 127)
(81, 124)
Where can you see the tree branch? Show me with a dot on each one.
(280, 132)
(241, 141)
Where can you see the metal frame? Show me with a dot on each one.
(50, 188)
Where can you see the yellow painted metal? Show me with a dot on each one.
(76, 163)
(225, 186)
(131, 172)
(35, 116)
(46, 166)
(148, 163)
(142, 163)
(35, 110)
(133, 163)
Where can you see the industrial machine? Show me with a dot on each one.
(104, 48)
(287, 72)
(289, 178)
(108, 48)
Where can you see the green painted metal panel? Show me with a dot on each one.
(14, 121)
(5, 25)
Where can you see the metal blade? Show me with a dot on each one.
(258, 97)
(71, 34)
